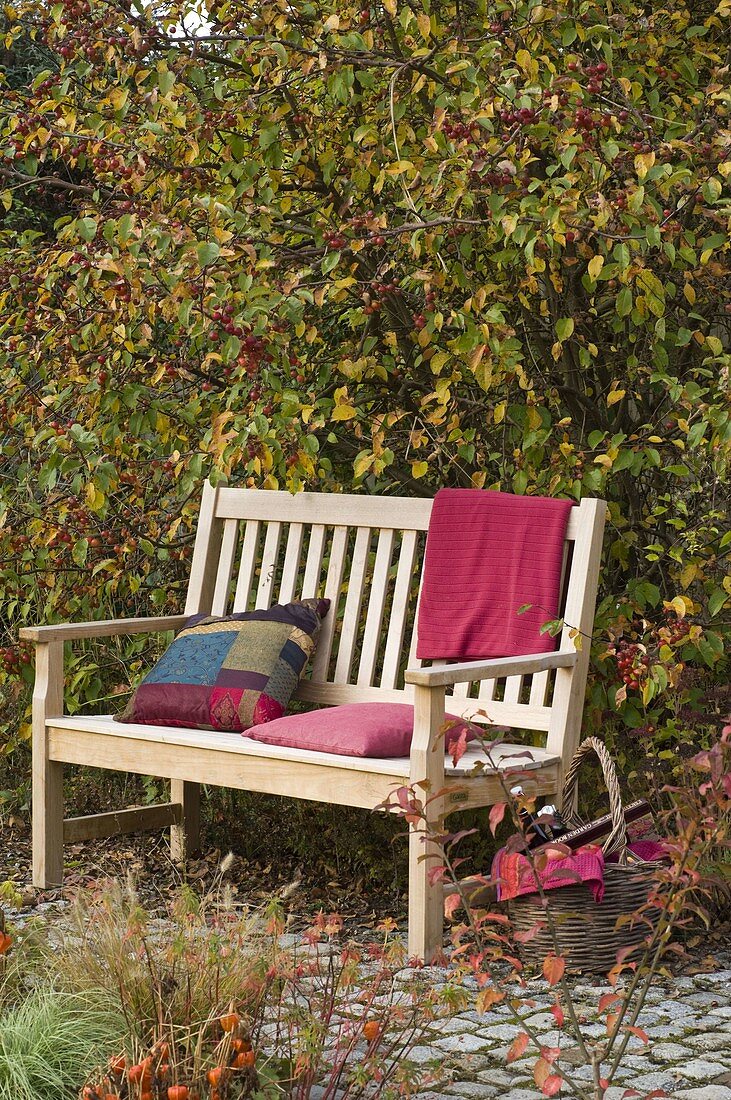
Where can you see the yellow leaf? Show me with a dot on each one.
(332, 23)
(343, 412)
(643, 163)
(681, 605)
(509, 224)
(596, 263)
(399, 166)
(499, 412)
(615, 396)
(363, 463)
(418, 469)
(689, 293)
(604, 460)
(424, 24)
(688, 574)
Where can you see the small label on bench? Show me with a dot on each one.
(459, 796)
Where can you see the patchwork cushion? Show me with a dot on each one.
(355, 729)
(230, 672)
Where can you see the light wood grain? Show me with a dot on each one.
(206, 551)
(313, 562)
(247, 566)
(373, 633)
(47, 773)
(225, 567)
(492, 668)
(353, 601)
(567, 704)
(329, 509)
(268, 565)
(291, 567)
(102, 628)
(426, 777)
(185, 829)
(333, 584)
(138, 819)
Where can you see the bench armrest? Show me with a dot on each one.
(104, 628)
(446, 675)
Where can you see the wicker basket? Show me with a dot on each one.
(587, 932)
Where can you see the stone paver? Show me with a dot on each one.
(688, 1023)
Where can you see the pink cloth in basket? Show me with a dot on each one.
(488, 554)
(514, 875)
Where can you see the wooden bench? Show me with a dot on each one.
(254, 548)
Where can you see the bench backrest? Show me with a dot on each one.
(365, 553)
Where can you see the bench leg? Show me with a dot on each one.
(426, 901)
(185, 837)
(47, 774)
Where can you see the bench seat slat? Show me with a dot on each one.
(396, 767)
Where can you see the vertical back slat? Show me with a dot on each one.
(333, 583)
(290, 570)
(399, 610)
(225, 567)
(538, 689)
(269, 556)
(487, 691)
(205, 554)
(513, 689)
(414, 661)
(376, 606)
(247, 565)
(314, 561)
(351, 614)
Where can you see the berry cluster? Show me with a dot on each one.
(458, 131)
(523, 116)
(633, 663)
(14, 657)
(335, 240)
(675, 631)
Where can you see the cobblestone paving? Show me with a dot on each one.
(688, 1022)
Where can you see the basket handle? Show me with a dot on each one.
(617, 839)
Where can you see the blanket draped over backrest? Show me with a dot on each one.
(487, 555)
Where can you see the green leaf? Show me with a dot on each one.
(564, 327)
(80, 550)
(716, 601)
(207, 252)
(623, 304)
(86, 228)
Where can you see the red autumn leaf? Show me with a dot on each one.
(641, 1035)
(486, 998)
(553, 968)
(451, 905)
(497, 813)
(458, 747)
(634, 1092)
(607, 1000)
(436, 874)
(552, 1085)
(557, 1013)
(541, 1071)
(551, 1054)
(517, 1047)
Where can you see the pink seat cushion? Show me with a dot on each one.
(356, 729)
